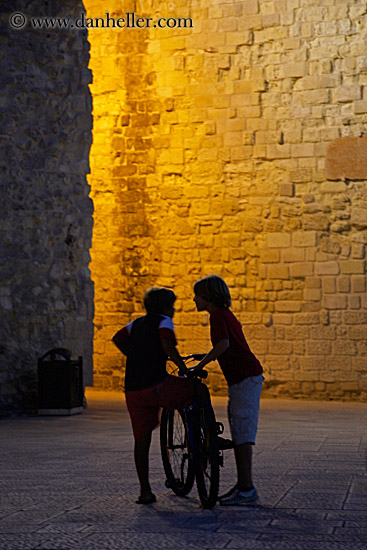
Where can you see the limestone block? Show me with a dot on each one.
(249, 112)
(318, 347)
(310, 82)
(333, 187)
(360, 364)
(304, 238)
(302, 150)
(353, 266)
(260, 333)
(280, 348)
(278, 272)
(232, 139)
(255, 124)
(349, 386)
(359, 216)
(302, 175)
(293, 136)
(354, 302)
(329, 376)
(343, 284)
(279, 240)
(278, 151)
(266, 136)
(277, 363)
(291, 255)
(327, 268)
(323, 333)
(250, 318)
(313, 282)
(358, 284)
(282, 319)
(344, 347)
(289, 294)
(299, 347)
(286, 189)
(244, 99)
(243, 87)
(308, 364)
(348, 93)
(270, 256)
(287, 306)
(329, 285)
(312, 294)
(319, 222)
(313, 97)
(174, 43)
(358, 250)
(355, 318)
(307, 319)
(335, 302)
(297, 333)
(347, 158)
(302, 269)
(345, 250)
(360, 107)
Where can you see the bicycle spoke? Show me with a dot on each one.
(175, 455)
(207, 470)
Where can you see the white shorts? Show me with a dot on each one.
(243, 409)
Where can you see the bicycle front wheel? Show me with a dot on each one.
(207, 460)
(176, 458)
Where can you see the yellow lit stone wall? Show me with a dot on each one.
(231, 147)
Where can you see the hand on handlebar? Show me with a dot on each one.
(183, 372)
(194, 371)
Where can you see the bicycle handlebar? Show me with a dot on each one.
(194, 373)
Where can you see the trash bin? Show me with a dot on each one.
(60, 383)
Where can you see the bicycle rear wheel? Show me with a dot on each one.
(177, 462)
(207, 459)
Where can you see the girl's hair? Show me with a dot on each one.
(214, 289)
(158, 299)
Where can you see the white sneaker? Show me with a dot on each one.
(239, 498)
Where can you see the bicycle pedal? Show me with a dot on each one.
(224, 444)
(219, 427)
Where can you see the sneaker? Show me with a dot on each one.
(239, 498)
(224, 444)
(228, 493)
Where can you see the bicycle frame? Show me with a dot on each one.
(189, 448)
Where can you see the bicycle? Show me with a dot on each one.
(189, 446)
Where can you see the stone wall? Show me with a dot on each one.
(228, 147)
(46, 294)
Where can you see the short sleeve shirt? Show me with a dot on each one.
(237, 362)
(146, 359)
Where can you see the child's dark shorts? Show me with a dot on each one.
(144, 405)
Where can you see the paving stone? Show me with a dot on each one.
(70, 483)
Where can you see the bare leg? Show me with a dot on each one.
(141, 456)
(243, 455)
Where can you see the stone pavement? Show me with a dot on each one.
(68, 483)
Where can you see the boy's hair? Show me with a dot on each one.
(214, 289)
(158, 299)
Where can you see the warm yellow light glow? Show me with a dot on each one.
(208, 157)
